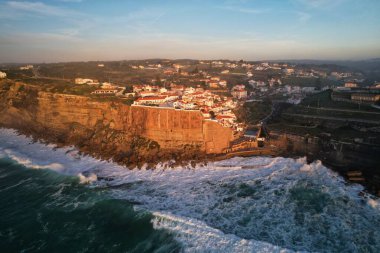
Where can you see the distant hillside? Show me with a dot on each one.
(362, 65)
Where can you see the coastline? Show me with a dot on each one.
(134, 136)
(197, 160)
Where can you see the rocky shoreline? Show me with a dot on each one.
(174, 159)
(346, 159)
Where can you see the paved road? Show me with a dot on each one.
(334, 118)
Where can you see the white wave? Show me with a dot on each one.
(38, 155)
(285, 202)
(87, 179)
(239, 204)
(196, 236)
(28, 163)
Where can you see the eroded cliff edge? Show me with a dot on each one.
(111, 130)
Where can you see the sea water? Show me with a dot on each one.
(56, 200)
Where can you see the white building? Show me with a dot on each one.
(170, 96)
(223, 83)
(239, 92)
(83, 80)
(147, 93)
(189, 90)
(308, 89)
(3, 74)
(163, 89)
(105, 91)
(189, 106)
(26, 67)
(288, 71)
(261, 84)
(107, 85)
(151, 87)
(294, 100)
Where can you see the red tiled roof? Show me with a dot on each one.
(169, 94)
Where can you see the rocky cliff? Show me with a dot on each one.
(127, 134)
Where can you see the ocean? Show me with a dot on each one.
(56, 200)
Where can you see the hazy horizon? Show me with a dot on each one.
(83, 30)
(194, 59)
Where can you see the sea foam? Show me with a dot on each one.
(257, 204)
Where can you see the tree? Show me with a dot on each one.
(128, 89)
(212, 114)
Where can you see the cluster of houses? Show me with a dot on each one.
(239, 92)
(86, 81)
(187, 88)
(109, 88)
(284, 68)
(214, 82)
(105, 88)
(212, 106)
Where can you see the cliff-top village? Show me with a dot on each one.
(263, 106)
(208, 90)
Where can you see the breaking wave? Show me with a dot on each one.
(257, 204)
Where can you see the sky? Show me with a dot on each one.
(88, 30)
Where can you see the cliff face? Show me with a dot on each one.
(127, 134)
